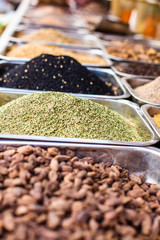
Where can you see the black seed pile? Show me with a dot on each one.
(56, 73)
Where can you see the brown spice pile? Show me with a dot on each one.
(48, 194)
(149, 91)
(50, 35)
(31, 50)
(134, 51)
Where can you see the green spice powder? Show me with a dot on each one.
(63, 115)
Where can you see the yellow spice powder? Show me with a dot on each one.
(156, 119)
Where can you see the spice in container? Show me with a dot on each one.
(59, 194)
(57, 73)
(150, 91)
(31, 50)
(156, 119)
(48, 34)
(63, 115)
(134, 51)
(141, 69)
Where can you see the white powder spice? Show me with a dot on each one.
(149, 91)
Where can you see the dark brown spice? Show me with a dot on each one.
(80, 203)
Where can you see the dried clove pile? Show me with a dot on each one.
(58, 194)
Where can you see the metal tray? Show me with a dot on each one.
(106, 75)
(149, 111)
(131, 83)
(142, 160)
(128, 75)
(91, 52)
(84, 41)
(125, 108)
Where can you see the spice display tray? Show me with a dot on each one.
(90, 52)
(70, 23)
(84, 41)
(126, 108)
(123, 74)
(131, 83)
(149, 111)
(103, 74)
(142, 160)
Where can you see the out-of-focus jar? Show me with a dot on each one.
(148, 18)
(123, 8)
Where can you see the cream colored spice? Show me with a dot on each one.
(50, 35)
(149, 91)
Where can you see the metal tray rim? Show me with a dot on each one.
(125, 93)
(132, 105)
(127, 75)
(130, 89)
(149, 119)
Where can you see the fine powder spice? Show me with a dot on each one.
(156, 119)
(48, 34)
(63, 115)
(31, 50)
(56, 73)
(58, 194)
(149, 91)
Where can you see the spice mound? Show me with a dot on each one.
(48, 34)
(63, 115)
(57, 73)
(156, 119)
(149, 91)
(58, 194)
(32, 50)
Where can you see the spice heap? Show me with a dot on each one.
(149, 91)
(135, 52)
(31, 50)
(48, 34)
(141, 69)
(156, 119)
(63, 115)
(57, 73)
(54, 194)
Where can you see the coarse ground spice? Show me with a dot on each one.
(57, 73)
(48, 34)
(63, 115)
(31, 50)
(134, 51)
(141, 69)
(156, 119)
(55, 194)
(149, 91)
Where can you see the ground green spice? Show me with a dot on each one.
(63, 115)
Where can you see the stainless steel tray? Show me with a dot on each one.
(131, 83)
(106, 75)
(83, 41)
(149, 111)
(91, 52)
(123, 107)
(142, 160)
(128, 75)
